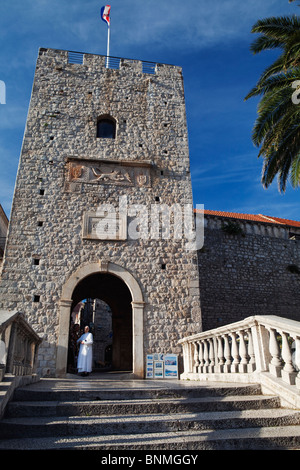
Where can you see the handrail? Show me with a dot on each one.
(244, 350)
(19, 345)
(113, 62)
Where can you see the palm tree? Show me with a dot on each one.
(276, 130)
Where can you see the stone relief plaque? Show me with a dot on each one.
(105, 225)
(117, 173)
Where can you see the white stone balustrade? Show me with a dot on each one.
(18, 345)
(243, 350)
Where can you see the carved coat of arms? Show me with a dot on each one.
(84, 171)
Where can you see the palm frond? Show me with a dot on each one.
(295, 172)
(277, 128)
(279, 159)
(270, 111)
(283, 173)
(291, 53)
(263, 43)
(282, 135)
(274, 78)
(277, 27)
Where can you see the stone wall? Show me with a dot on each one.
(53, 199)
(3, 233)
(254, 272)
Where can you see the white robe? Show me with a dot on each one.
(85, 356)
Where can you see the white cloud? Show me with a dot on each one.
(194, 23)
(163, 23)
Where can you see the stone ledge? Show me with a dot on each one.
(9, 384)
(289, 397)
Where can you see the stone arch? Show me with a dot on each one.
(137, 313)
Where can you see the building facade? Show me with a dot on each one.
(3, 233)
(249, 265)
(101, 204)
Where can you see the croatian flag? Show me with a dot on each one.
(105, 12)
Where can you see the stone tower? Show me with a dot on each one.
(100, 208)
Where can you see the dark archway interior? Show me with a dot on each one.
(116, 294)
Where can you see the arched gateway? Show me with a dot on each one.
(105, 270)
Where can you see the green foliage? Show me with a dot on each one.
(276, 130)
(232, 228)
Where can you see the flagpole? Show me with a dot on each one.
(108, 41)
(105, 16)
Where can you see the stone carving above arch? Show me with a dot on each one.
(86, 171)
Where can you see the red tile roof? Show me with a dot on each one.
(252, 217)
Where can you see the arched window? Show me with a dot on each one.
(106, 128)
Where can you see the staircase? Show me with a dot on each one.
(189, 417)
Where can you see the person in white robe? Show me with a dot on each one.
(85, 356)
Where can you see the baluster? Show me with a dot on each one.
(196, 358)
(297, 360)
(201, 357)
(215, 343)
(185, 358)
(288, 372)
(227, 354)
(27, 357)
(234, 353)
(189, 358)
(251, 365)
(190, 353)
(275, 366)
(211, 367)
(206, 357)
(221, 359)
(243, 353)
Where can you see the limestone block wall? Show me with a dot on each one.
(46, 241)
(3, 233)
(256, 272)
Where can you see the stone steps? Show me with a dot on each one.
(267, 438)
(237, 417)
(90, 393)
(138, 406)
(138, 424)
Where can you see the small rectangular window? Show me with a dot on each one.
(36, 298)
(106, 129)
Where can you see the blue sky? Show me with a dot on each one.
(209, 40)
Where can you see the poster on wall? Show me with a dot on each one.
(171, 366)
(149, 367)
(158, 357)
(158, 369)
(161, 366)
